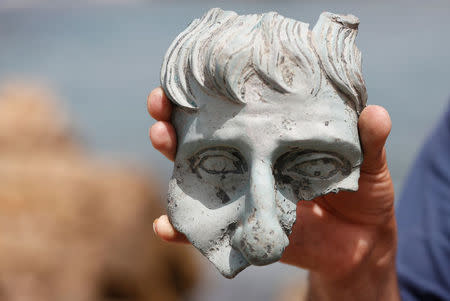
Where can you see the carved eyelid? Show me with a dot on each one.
(294, 158)
(302, 158)
(229, 153)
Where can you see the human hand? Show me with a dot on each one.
(337, 236)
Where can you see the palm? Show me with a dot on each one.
(337, 229)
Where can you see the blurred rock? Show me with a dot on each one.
(295, 290)
(72, 228)
(30, 119)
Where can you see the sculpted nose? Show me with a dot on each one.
(259, 236)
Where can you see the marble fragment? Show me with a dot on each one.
(266, 115)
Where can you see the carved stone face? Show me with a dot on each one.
(266, 115)
(241, 169)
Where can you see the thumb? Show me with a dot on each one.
(374, 127)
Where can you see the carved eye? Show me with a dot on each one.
(311, 164)
(218, 160)
(217, 164)
(322, 168)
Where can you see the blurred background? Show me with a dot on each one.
(80, 183)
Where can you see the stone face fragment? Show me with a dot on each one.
(266, 115)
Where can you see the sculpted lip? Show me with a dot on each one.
(266, 114)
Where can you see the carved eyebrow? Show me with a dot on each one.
(322, 142)
(238, 143)
(218, 148)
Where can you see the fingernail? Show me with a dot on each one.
(154, 225)
(158, 94)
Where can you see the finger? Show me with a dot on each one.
(164, 229)
(158, 105)
(163, 137)
(374, 128)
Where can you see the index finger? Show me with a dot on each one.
(164, 229)
(158, 105)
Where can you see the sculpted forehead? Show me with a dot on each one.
(292, 118)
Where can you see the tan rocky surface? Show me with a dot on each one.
(72, 228)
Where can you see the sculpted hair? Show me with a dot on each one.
(222, 51)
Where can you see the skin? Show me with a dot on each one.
(346, 240)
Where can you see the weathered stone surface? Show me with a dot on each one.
(266, 114)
